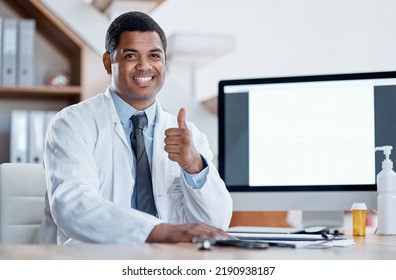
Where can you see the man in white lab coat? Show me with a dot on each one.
(91, 168)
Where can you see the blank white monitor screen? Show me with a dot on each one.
(301, 131)
(305, 143)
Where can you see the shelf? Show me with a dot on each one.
(69, 48)
(54, 31)
(70, 93)
(59, 36)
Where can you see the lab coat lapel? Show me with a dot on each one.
(160, 164)
(159, 154)
(118, 130)
(122, 158)
(159, 144)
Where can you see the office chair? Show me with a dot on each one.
(22, 190)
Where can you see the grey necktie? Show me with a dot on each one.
(143, 185)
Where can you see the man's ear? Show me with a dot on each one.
(107, 62)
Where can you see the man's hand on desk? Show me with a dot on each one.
(170, 233)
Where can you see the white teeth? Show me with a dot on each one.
(143, 79)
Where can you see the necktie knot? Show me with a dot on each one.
(139, 121)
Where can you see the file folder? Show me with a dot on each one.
(36, 130)
(9, 51)
(26, 52)
(18, 136)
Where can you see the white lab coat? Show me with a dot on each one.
(88, 162)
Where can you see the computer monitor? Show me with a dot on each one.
(305, 143)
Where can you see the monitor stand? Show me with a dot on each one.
(334, 220)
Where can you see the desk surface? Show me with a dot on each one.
(370, 247)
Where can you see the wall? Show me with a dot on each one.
(277, 38)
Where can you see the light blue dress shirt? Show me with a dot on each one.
(125, 111)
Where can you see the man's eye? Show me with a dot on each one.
(156, 55)
(130, 56)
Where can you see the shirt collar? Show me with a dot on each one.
(125, 111)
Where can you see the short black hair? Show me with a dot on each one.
(131, 21)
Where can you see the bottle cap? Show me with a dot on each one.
(359, 206)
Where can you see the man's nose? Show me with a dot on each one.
(143, 65)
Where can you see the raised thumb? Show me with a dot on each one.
(181, 118)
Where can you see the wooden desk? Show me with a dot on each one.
(370, 247)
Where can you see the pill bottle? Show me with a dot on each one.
(359, 218)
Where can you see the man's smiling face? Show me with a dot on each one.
(137, 68)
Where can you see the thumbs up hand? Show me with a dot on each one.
(180, 147)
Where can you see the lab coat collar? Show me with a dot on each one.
(125, 111)
(110, 105)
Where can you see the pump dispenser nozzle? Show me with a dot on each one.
(387, 163)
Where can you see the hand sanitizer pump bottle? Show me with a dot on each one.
(386, 187)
